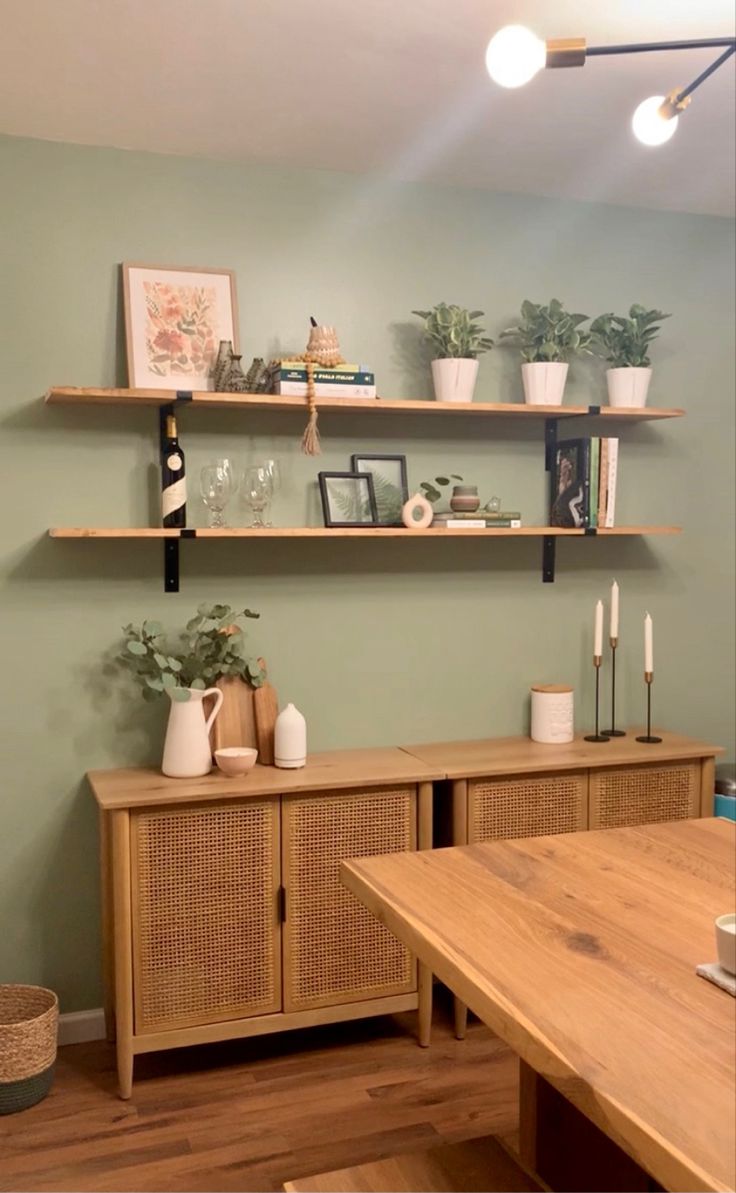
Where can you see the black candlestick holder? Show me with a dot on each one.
(647, 737)
(613, 731)
(597, 736)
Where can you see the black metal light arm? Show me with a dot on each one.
(706, 73)
(643, 47)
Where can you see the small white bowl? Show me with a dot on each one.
(236, 760)
(726, 942)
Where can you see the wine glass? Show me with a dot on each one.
(257, 491)
(271, 467)
(215, 485)
(228, 467)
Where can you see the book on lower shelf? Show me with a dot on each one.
(584, 483)
(474, 522)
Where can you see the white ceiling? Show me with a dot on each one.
(390, 86)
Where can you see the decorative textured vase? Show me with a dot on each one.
(290, 739)
(465, 499)
(222, 365)
(454, 379)
(187, 750)
(235, 381)
(628, 387)
(544, 382)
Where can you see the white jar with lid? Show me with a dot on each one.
(552, 714)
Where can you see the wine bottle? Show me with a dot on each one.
(173, 479)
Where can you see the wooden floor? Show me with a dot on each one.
(250, 1114)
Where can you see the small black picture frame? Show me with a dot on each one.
(348, 499)
(390, 484)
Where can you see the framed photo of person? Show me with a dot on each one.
(389, 484)
(175, 318)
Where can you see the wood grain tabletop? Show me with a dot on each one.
(580, 951)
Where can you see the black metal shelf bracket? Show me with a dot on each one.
(171, 565)
(549, 542)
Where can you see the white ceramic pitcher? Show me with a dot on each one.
(187, 751)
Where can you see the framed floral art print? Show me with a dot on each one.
(175, 318)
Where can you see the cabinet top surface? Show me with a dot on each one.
(517, 755)
(338, 769)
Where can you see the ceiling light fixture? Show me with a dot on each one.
(515, 55)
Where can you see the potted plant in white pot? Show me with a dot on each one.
(625, 344)
(548, 337)
(185, 669)
(458, 341)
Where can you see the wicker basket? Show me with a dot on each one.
(29, 1017)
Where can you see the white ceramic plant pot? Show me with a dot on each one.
(544, 382)
(187, 750)
(454, 379)
(628, 387)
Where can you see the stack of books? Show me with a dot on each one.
(480, 519)
(584, 483)
(342, 381)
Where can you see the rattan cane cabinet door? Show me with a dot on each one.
(335, 950)
(527, 805)
(206, 937)
(646, 794)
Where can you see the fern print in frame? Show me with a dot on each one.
(348, 499)
(389, 484)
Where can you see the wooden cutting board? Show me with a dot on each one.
(235, 724)
(266, 710)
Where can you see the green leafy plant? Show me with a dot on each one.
(209, 647)
(453, 332)
(430, 490)
(548, 333)
(625, 342)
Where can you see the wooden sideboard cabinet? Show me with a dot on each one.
(514, 787)
(223, 912)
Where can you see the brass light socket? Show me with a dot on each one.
(597, 660)
(671, 106)
(613, 643)
(566, 51)
(648, 676)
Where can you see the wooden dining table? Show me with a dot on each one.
(580, 951)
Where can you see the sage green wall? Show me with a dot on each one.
(377, 642)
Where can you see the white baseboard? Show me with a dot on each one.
(77, 1027)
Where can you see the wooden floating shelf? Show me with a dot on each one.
(311, 532)
(75, 396)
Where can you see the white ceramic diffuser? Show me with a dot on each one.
(290, 739)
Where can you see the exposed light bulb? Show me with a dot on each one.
(514, 56)
(648, 123)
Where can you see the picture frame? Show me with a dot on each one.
(348, 499)
(390, 484)
(175, 317)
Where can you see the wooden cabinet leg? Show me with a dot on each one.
(108, 967)
(122, 946)
(425, 1005)
(461, 1019)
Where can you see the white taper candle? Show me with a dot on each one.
(648, 644)
(614, 610)
(598, 636)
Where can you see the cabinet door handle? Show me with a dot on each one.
(281, 904)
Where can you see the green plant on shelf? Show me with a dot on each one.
(548, 333)
(453, 332)
(208, 648)
(429, 488)
(625, 342)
